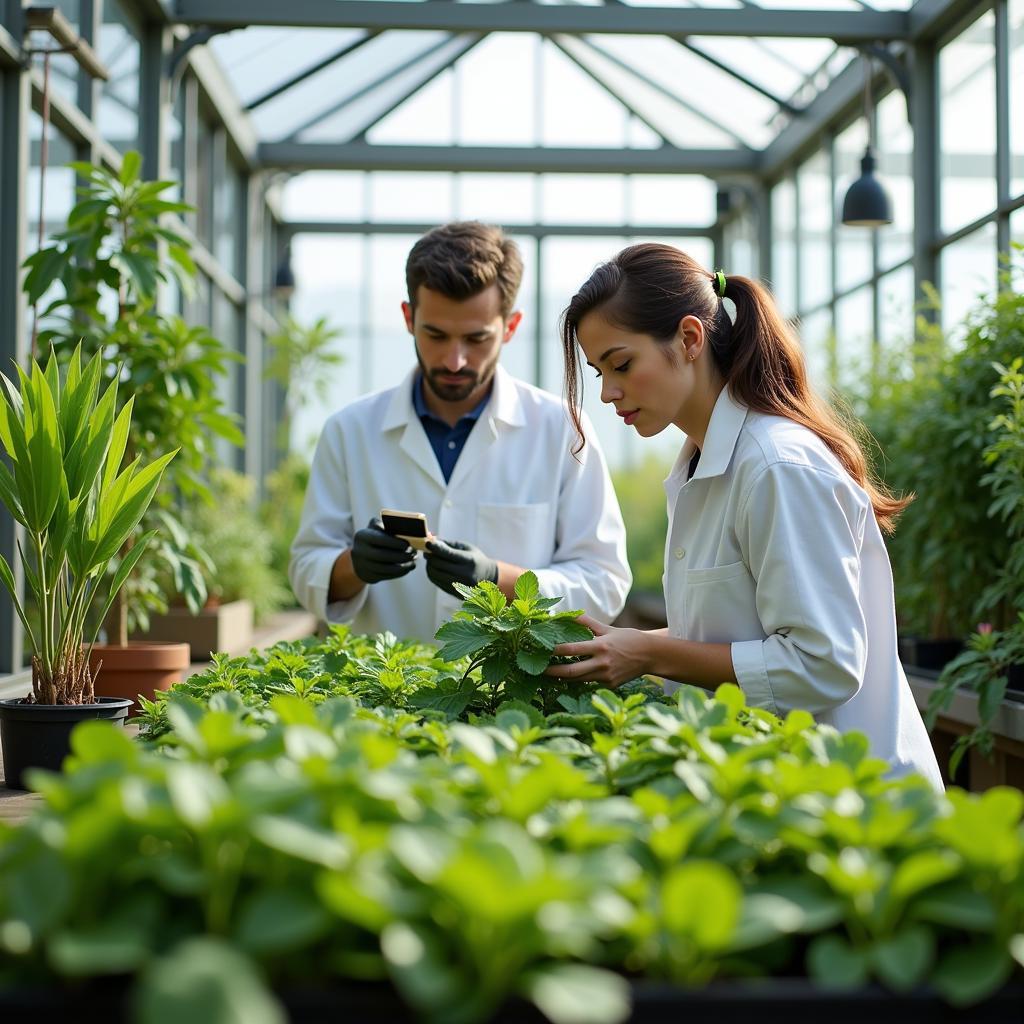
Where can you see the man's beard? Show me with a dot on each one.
(469, 381)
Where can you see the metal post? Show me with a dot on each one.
(154, 52)
(924, 101)
(761, 199)
(1003, 155)
(15, 104)
(538, 326)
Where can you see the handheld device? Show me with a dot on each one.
(408, 526)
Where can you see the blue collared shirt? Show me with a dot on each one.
(446, 441)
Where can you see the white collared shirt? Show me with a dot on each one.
(516, 492)
(773, 548)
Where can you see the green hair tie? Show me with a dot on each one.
(720, 282)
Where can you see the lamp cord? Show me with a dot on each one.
(868, 112)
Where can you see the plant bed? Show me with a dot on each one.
(226, 627)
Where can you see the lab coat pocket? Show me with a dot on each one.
(520, 534)
(720, 605)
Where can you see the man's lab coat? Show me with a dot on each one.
(516, 492)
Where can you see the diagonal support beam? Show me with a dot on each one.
(845, 27)
(310, 71)
(369, 87)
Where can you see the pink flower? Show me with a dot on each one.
(984, 628)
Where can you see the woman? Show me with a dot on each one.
(776, 576)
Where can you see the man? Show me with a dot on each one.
(484, 456)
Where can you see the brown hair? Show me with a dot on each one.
(460, 260)
(649, 288)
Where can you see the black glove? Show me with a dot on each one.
(377, 555)
(450, 562)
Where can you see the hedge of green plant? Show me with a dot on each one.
(365, 812)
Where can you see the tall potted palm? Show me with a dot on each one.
(65, 487)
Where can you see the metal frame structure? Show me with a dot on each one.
(192, 125)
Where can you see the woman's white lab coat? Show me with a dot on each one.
(774, 549)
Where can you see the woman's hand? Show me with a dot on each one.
(612, 657)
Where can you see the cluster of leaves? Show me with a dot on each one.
(984, 666)
(99, 279)
(466, 864)
(937, 397)
(492, 652)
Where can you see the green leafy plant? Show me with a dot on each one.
(511, 643)
(65, 441)
(983, 668)
(236, 544)
(105, 269)
(932, 398)
(642, 499)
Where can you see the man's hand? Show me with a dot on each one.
(378, 556)
(614, 655)
(450, 562)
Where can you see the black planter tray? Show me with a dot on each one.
(794, 1001)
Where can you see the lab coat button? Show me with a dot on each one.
(447, 502)
(680, 552)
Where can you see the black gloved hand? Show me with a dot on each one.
(377, 555)
(450, 562)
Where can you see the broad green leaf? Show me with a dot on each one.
(527, 588)
(903, 960)
(551, 632)
(533, 662)
(832, 961)
(969, 973)
(205, 981)
(276, 920)
(701, 900)
(462, 637)
(570, 993)
(449, 696)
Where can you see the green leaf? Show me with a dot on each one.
(570, 993)
(533, 662)
(131, 165)
(527, 588)
(449, 696)
(462, 637)
(701, 900)
(496, 668)
(205, 981)
(278, 920)
(903, 960)
(967, 974)
(551, 632)
(832, 961)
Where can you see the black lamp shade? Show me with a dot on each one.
(284, 276)
(867, 204)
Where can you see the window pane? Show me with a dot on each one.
(968, 271)
(967, 120)
(783, 246)
(853, 245)
(854, 333)
(505, 198)
(817, 339)
(1016, 12)
(582, 199)
(325, 195)
(670, 199)
(896, 319)
(814, 184)
(1017, 225)
(741, 245)
(895, 153)
(227, 209)
(119, 98)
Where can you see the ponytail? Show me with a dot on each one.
(649, 288)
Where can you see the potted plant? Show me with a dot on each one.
(243, 583)
(106, 268)
(66, 488)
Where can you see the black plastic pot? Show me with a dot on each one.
(39, 735)
(931, 655)
(1015, 681)
(793, 1000)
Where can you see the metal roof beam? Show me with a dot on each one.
(844, 27)
(326, 227)
(360, 156)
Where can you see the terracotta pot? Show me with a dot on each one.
(140, 669)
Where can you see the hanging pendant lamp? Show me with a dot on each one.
(867, 203)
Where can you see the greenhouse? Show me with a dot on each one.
(511, 510)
